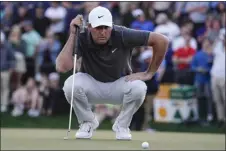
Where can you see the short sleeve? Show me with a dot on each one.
(135, 38)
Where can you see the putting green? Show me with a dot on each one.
(52, 139)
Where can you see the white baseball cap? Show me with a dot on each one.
(100, 16)
(137, 12)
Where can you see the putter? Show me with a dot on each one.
(72, 93)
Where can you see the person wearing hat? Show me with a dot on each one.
(141, 23)
(106, 50)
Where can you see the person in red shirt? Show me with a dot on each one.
(182, 58)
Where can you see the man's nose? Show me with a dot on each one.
(103, 30)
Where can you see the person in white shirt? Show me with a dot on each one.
(166, 26)
(218, 77)
(180, 42)
(56, 14)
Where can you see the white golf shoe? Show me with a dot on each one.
(17, 112)
(121, 132)
(86, 130)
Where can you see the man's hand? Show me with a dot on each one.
(77, 21)
(144, 76)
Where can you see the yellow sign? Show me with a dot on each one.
(162, 112)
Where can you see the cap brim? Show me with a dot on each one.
(94, 25)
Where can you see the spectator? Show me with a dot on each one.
(48, 50)
(179, 42)
(7, 65)
(27, 97)
(19, 47)
(56, 14)
(32, 39)
(22, 14)
(164, 24)
(41, 23)
(148, 10)
(141, 23)
(127, 17)
(201, 65)
(221, 7)
(197, 12)
(218, 78)
(216, 26)
(6, 20)
(182, 58)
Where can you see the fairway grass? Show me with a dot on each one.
(52, 139)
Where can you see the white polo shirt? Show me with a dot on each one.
(218, 68)
(56, 13)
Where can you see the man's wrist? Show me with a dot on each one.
(149, 73)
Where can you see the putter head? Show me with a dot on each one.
(65, 138)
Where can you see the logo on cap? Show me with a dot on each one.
(100, 16)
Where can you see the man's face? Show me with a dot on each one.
(141, 18)
(206, 44)
(100, 34)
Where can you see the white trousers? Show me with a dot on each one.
(88, 91)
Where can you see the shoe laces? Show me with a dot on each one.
(85, 127)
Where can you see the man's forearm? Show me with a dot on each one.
(159, 44)
(64, 61)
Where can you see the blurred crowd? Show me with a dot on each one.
(33, 33)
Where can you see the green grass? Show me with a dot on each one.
(59, 122)
(52, 139)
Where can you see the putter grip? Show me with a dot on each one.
(76, 39)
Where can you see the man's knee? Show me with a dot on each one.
(78, 86)
(138, 90)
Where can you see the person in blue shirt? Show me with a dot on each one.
(201, 65)
(141, 23)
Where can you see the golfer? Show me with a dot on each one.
(105, 76)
